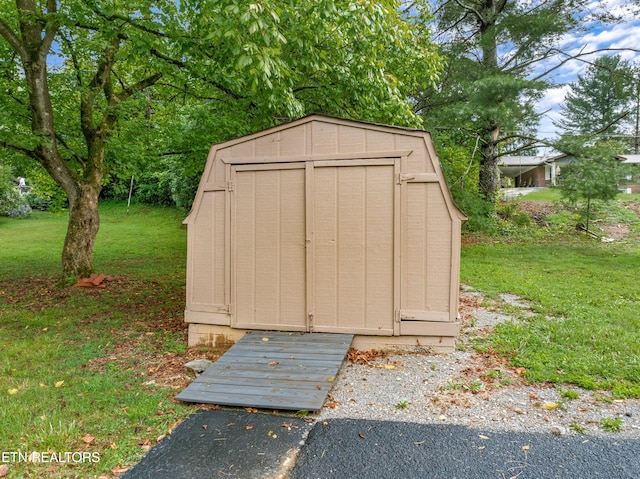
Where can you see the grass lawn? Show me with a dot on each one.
(96, 370)
(82, 370)
(587, 330)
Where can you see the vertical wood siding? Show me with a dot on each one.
(270, 253)
(353, 248)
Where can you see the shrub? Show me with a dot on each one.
(481, 213)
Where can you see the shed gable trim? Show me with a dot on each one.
(316, 118)
(365, 155)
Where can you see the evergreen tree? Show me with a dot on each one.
(489, 89)
(599, 102)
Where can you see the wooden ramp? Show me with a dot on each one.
(272, 370)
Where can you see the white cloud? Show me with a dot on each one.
(624, 35)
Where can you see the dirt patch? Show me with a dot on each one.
(539, 210)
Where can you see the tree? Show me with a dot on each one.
(491, 84)
(599, 101)
(75, 73)
(593, 175)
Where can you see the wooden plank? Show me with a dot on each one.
(262, 374)
(263, 402)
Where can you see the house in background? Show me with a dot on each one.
(532, 171)
(631, 182)
(544, 171)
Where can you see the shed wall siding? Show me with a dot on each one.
(207, 259)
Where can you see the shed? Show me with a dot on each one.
(325, 225)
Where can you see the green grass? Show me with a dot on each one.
(543, 194)
(554, 194)
(587, 300)
(59, 380)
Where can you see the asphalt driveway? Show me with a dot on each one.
(235, 443)
(347, 448)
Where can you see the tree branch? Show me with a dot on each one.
(182, 64)
(138, 87)
(113, 16)
(578, 56)
(49, 32)
(25, 151)
(12, 38)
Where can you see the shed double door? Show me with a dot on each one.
(313, 246)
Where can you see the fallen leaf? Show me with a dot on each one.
(331, 379)
(248, 427)
(419, 443)
(265, 339)
(481, 436)
(361, 436)
(389, 366)
(88, 439)
(13, 391)
(113, 445)
(4, 470)
(550, 406)
(250, 409)
(526, 448)
(292, 357)
(59, 384)
(146, 444)
(116, 471)
(204, 426)
(518, 411)
(274, 363)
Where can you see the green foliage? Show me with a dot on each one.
(12, 203)
(481, 213)
(611, 425)
(600, 99)
(143, 88)
(569, 394)
(487, 96)
(593, 175)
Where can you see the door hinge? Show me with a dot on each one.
(230, 186)
(402, 177)
(311, 316)
(396, 315)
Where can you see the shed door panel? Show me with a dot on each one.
(270, 278)
(353, 226)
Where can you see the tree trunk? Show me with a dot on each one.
(489, 178)
(84, 222)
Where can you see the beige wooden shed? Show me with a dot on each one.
(325, 225)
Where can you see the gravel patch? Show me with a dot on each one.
(472, 389)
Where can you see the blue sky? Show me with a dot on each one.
(623, 35)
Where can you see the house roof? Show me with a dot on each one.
(513, 166)
(629, 159)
